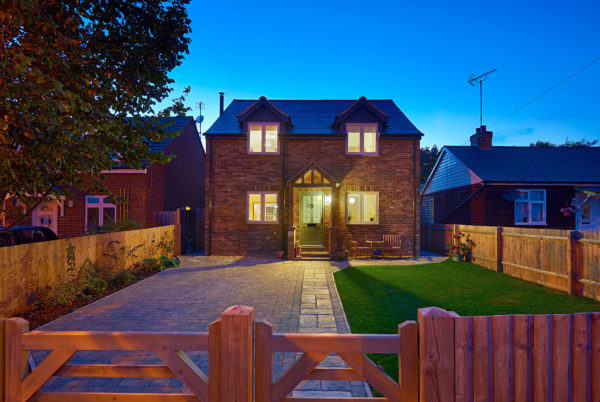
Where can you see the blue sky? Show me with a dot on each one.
(418, 53)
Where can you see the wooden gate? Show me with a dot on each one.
(444, 357)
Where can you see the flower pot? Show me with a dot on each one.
(280, 254)
(457, 257)
(567, 213)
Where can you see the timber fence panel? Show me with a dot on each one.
(537, 255)
(440, 236)
(28, 268)
(589, 262)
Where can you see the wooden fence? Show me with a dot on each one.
(559, 259)
(28, 268)
(164, 218)
(444, 357)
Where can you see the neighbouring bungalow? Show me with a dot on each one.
(481, 184)
(310, 173)
(153, 188)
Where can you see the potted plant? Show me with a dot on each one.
(340, 254)
(461, 250)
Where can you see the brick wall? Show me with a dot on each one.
(391, 173)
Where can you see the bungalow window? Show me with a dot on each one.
(362, 208)
(362, 139)
(530, 207)
(99, 211)
(263, 138)
(262, 207)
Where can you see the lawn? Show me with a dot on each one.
(377, 298)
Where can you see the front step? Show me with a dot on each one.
(314, 254)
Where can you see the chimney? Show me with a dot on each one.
(221, 102)
(482, 138)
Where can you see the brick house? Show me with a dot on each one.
(490, 185)
(314, 172)
(154, 188)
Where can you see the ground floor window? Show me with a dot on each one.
(362, 208)
(262, 207)
(99, 211)
(530, 207)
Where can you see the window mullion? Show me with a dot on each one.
(362, 139)
(361, 200)
(263, 143)
(263, 208)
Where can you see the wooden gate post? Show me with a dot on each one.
(178, 246)
(499, 255)
(573, 262)
(2, 360)
(436, 352)
(235, 366)
(408, 361)
(15, 359)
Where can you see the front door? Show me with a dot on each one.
(311, 218)
(45, 215)
(588, 216)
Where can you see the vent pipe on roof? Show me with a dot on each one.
(221, 102)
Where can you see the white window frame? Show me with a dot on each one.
(362, 138)
(101, 205)
(263, 208)
(529, 202)
(361, 195)
(263, 138)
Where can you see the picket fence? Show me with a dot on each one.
(443, 357)
(559, 259)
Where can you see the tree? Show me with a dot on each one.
(428, 159)
(75, 77)
(568, 144)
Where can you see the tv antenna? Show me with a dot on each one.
(480, 80)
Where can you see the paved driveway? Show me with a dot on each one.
(294, 296)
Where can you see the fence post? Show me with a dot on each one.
(408, 361)
(178, 231)
(499, 255)
(2, 360)
(15, 358)
(235, 374)
(573, 262)
(436, 352)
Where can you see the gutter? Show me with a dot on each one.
(463, 202)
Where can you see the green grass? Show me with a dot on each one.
(377, 298)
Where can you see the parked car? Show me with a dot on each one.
(25, 234)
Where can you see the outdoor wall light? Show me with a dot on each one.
(70, 203)
(351, 200)
(327, 199)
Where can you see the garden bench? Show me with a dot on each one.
(392, 244)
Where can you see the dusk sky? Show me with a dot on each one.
(420, 54)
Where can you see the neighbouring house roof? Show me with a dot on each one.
(531, 164)
(589, 190)
(309, 117)
(176, 126)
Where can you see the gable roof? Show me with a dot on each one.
(263, 101)
(361, 102)
(310, 117)
(531, 164)
(176, 126)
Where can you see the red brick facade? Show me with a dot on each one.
(232, 173)
(156, 188)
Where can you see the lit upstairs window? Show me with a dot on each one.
(263, 138)
(362, 139)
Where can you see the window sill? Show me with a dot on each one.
(263, 153)
(262, 223)
(531, 224)
(363, 223)
(361, 154)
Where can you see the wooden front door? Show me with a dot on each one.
(311, 218)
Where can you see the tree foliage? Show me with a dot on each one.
(568, 144)
(429, 157)
(75, 75)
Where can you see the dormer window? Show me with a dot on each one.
(362, 139)
(263, 138)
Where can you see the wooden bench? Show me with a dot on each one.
(392, 244)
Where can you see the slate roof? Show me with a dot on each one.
(310, 117)
(178, 123)
(531, 164)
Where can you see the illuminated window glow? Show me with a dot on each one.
(262, 207)
(362, 208)
(362, 139)
(263, 138)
